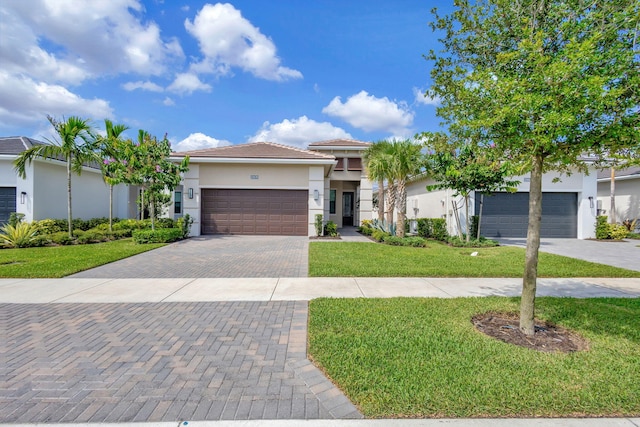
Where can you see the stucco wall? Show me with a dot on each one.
(253, 176)
(627, 194)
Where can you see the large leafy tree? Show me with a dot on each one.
(110, 148)
(405, 161)
(75, 138)
(548, 82)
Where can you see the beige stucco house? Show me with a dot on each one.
(273, 189)
(627, 193)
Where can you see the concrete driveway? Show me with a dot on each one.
(624, 254)
(214, 256)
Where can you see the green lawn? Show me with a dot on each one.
(60, 261)
(422, 357)
(361, 259)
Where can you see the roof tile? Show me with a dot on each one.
(256, 150)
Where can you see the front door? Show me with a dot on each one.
(347, 209)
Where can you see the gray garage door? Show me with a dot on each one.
(270, 212)
(507, 215)
(7, 203)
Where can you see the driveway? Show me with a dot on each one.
(214, 256)
(624, 254)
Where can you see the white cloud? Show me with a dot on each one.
(168, 102)
(369, 113)
(185, 8)
(229, 40)
(421, 98)
(199, 141)
(25, 101)
(187, 83)
(149, 86)
(298, 132)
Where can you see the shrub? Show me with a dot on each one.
(473, 243)
(39, 240)
(61, 238)
(475, 219)
(367, 231)
(379, 235)
(165, 223)
(630, 224)
(433, 228)
(15, 218)
(331, 229)
(366, 223)
(92, 236)
(394, 241)
(415, 241)
(18, 236)
(617, 231)
(184, 224)
(132, 224)
(318, 224)
(602, 228)
(50, 226)
(159, 235)
(77, 232)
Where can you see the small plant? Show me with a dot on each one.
(379, 235)
(184, 224)
(617, 231)
(415, 241)
(602, 227)
(15, 218)
(19, 236)
(61, 238)
(433, 228)
(630, 224)
(159, 235)
(473, 243)
(318, 225)
(331, 229)
(50, 226)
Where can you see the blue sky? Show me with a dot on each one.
(213, 74)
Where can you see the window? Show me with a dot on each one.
(177, 202)
(332, 201)
(354, 164)
(340, 165)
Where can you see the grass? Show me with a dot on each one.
(361, 259)
(60, 261)
(422, 357)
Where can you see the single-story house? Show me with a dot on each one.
(569, 207)
(627, 193)
(43, 192)
(273, 189)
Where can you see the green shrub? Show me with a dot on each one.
(318, 224)
(61, 238)
(367, 231)
(433, 228)
(473, 243)
(602, 227)
(159, 235)
(92, 236)
(77, 232)
(617, 231)
(394, 241)
(132, 224)
(184, 224)
(633, 236)
(474, 226)
(330, 229)
(15, 218)
(19, 236)
(415, 241)
(50, 226)
(40, 240)
(379, 235)
(165, 223)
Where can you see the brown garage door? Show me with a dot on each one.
(273, 212)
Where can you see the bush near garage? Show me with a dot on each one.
(159, 235)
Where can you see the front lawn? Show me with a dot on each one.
(60, 261)
(360, 259)
(422, 357)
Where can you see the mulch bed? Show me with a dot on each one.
(547, 337)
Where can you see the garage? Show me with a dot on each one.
(255, 211)
(507, 215)
(7, 203)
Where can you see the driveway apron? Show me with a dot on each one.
(215, 256)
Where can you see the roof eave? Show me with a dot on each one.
(274, 161)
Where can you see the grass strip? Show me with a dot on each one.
(60, 261)
(362, 259)
(422, 357)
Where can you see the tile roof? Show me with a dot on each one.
(256, 150)
(606, 173)
(14, 145)
(340, 143)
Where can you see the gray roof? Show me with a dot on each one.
(632, 171)
(256, 150)
(14, 145)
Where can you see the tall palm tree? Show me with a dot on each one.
(110, 150)
(76, 136)
(406, 161)
(376, 164)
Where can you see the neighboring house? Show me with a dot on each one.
(568, 207)
(272, 189)
(43, 192)
(627, 193)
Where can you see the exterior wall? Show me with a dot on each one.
(342, 187)
(365, 210)
(627, 194)
(316, 205)
(254, 176)
(90, 194)
(190, 182)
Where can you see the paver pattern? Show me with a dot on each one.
(161, 362)
(215, 256)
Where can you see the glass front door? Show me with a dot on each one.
(347, 209)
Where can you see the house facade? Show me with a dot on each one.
(626, 193)
(569, 207)
(271, 189)
(43, 192)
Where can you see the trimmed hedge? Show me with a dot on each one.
(433, 228)
(159, 235)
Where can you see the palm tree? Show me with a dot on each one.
(406, 161)
(376, 164)
(76, 136)
(109, 148)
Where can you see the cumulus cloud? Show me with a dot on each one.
(199, 141)
(228, 40)
(298, 132)
(421, 98)
(149, 86)
(168, 102)
(26, 101)
(369, 113)
(187, 83)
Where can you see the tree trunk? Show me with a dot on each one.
(612, 211)
(381, 201)
(69, 216)
(467, 220)
(152, 209)
(391, 194)
(402, 207)
(527, 303)
(480, 215)
(110, 208)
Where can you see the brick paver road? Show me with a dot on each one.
(160, 362)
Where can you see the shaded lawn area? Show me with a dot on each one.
(60, 261)
(361, 259)
(422, 357)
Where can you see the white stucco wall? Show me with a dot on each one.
(627, 195)
(316, 206)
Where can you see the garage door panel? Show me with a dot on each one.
(7, 203)
(272, 212)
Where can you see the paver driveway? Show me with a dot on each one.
(215, 256)
(161, 362)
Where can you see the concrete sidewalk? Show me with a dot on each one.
(77, 290)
